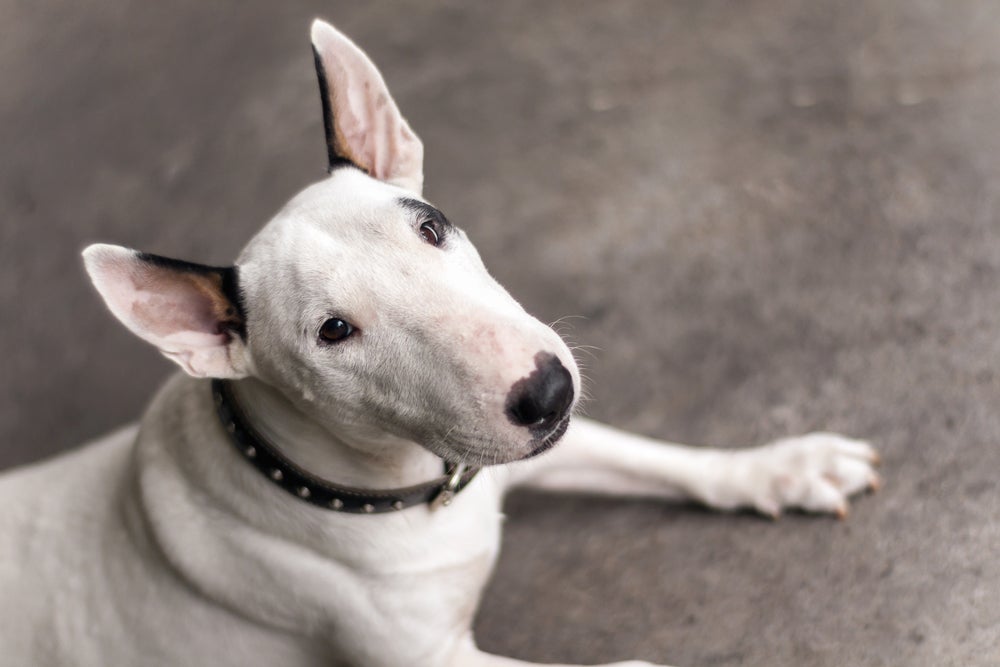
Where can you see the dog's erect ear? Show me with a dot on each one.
(190, 312)
(363, 124)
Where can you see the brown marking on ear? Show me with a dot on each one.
(211, 285)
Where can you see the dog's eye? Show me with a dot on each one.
(335, 330)
(430, 234)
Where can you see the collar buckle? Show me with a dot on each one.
(449, 489)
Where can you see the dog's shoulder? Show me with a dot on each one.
(55, 484)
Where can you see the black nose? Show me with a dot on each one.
(541, 399)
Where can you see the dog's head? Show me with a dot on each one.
(360, 301)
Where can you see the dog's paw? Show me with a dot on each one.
(817, 472)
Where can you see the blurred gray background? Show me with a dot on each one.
(772, 216)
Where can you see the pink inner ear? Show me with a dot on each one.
(180, 316)
(173, 309)
(180, 308)
(369, 129)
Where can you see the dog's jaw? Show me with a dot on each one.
(345, 455)
(550, 440)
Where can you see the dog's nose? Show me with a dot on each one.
(540, 400)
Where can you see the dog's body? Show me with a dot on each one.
(363, 336)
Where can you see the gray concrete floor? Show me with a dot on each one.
(773, 216)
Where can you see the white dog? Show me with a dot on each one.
(306, 494)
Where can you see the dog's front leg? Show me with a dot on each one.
(468, 655)
(815, 472)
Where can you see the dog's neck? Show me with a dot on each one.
(382, 462)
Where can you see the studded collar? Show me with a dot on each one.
(276, 467)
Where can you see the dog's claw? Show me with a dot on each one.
(875, 483)
(772, 512)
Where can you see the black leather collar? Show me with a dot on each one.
(269, 460)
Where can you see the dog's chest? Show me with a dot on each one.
(417, 578)
(364, 585)
(458, 543)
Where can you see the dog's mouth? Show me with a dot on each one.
(550, 440)
(493, 455)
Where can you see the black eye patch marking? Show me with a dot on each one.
(431, 224)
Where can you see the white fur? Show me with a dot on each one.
(159, 545)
